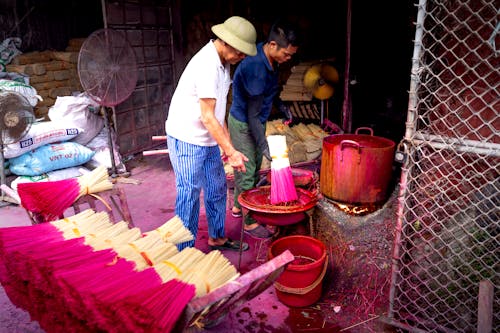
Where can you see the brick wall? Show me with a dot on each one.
(51, 73)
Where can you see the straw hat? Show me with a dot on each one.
(239, 33)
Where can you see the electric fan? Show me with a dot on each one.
(321, 79)
(16, 117)
(108, 73)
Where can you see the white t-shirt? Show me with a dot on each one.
(203, 77)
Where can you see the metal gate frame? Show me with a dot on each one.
(445, 257)
(149, 27)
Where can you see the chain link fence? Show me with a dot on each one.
(448, 236)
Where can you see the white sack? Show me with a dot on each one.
(78, 111)
(40, 134)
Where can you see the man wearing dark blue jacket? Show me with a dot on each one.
(255, 92)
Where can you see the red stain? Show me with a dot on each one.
(310, 320)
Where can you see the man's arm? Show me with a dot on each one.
(220, 134)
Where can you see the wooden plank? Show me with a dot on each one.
(294, 89)
(298, 109)
(304, 110)
(295, 96)
(302, 67)
(295, 81)
(307, 109)
(485, 307)
(313, 111)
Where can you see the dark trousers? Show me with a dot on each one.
(244, 142)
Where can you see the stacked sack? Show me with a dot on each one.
(74, 138)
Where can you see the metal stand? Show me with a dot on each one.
(110, 142)
(111, 146)
(322, 111)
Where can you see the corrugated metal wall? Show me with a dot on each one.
(148, 26)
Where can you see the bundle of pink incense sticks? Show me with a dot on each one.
(282, 185)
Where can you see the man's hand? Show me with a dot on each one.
(287, 113)
(237, 161)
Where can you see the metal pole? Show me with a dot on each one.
(110, 142)
(412, 106)
(104, 14)
(346, 106)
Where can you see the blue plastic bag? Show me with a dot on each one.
(50, 157)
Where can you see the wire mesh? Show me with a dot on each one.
(448, 218)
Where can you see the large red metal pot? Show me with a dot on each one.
(356, 168)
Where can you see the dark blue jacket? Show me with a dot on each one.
(254, 78)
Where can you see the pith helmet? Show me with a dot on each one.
(239, 33)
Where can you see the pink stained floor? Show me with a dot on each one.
(151, 203)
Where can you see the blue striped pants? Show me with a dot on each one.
(198, 168)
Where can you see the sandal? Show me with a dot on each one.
(236, 214)
(230, 245)
(260, 232)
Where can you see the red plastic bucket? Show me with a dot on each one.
(300, 283)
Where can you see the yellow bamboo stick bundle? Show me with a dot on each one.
(77, 227)
(162, 252)
(92, 224)
(101, 240)
(271, 129)
(147, 258)
(174, 231)
(131, 253)
(211, 272)
(113, 230)
(148, 241)
(73, 220)
(219, 269)
(179, 264)
(125, 237)
(317, 130)
(137, 249)
(85, 222)
(303, 132)
(95, 181)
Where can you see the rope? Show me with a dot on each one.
(101, 200)
(303, 290)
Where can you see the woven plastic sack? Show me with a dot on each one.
(24, 89)
(39, 134)
(50, 157)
